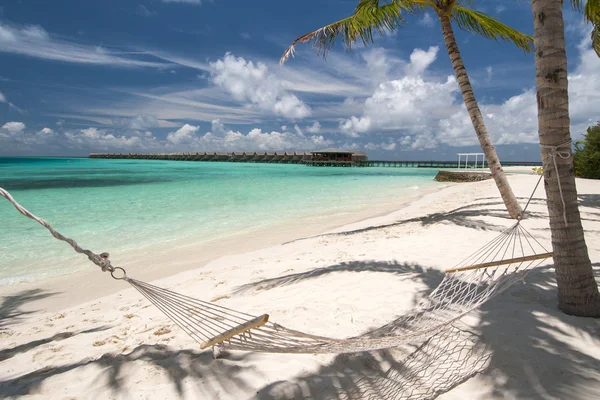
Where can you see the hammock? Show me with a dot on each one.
(479, 277)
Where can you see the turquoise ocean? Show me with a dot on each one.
(125, 206)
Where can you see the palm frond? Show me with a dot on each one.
(576, 4)
(369, 16)
(404, 5)
(489, 27)
(591, 13)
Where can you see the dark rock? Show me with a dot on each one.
(462, 176)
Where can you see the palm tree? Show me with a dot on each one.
(370, 15)
(577, 289)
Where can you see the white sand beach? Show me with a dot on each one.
(119, 346)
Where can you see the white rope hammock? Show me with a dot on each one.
(479, 277)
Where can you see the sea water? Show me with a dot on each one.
(136, 205)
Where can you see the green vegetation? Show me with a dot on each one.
(587, 154)
(538, 170)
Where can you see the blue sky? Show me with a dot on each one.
(198, 75)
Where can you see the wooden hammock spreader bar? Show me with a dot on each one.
(502, 262)
(246, 326)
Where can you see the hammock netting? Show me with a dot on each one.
(479, 277)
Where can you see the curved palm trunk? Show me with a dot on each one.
(510, 201)
(577, 288)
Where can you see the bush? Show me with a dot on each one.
(538, 170)
(587, 154)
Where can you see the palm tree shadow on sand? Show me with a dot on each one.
(182, 365)
(410, 372)
(532, 360)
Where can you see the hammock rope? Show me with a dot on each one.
(476, 279)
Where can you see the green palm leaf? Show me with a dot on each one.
(359, 25)
(591, 13)
(489, 27)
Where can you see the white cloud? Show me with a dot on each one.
(314, 128)
(290, 106)
(390, 146)
(427, 20)
(34, 41)
(378, 64)
(252, 83)
(420, 60)
(2, 98)
(489, 73)
(46, 131)
(515, 120)
(183, 1)
(14, 127)
(410, 103)
(142, 122)
(222, 139)
(185, 134)
(353, 125)
(93, 139)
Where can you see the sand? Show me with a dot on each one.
(517, 346)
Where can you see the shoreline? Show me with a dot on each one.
(171, 259)
(335, 285)
(89, 284)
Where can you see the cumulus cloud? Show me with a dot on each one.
(410, 104)
(14, 127)
(425, 111)
(353, 125)
(2, 98)
(219, 138)
(252, 83)
(46, 131)
(185, 134)
(314, 128)
(390, 146)
(515, 120)
(420, 60)
(99, 139)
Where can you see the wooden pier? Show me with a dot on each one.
(295, 157)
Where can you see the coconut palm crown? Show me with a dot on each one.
(591, 13)
(380, 16)
(375, 16)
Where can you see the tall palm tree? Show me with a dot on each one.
(381, 16)
(577, 289)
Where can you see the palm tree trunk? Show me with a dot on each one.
(510, 201)
(577, 288)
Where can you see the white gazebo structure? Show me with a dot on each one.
(476, 155)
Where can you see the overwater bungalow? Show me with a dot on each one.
(221, 156)
(278, 157)
(237, 156)
(208, 156)
(269, 156)
(337, 157)
(259, 156)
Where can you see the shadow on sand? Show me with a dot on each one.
(10, 309)
(222, 375)
(522, 340)
(463, 216)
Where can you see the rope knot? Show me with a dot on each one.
(102, 261)
(564, 154)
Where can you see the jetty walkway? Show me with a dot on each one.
(290, 157)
